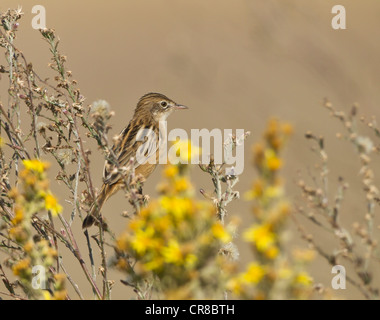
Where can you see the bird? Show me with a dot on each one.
(151, 110)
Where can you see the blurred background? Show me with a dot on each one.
(235, 64)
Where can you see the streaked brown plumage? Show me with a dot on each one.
(150, 110)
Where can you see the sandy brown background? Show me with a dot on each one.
(235, 64)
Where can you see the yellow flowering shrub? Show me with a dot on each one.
(176, 239)
(273, 275)
(33, 196)
(185, 151)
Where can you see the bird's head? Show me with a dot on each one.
(157, 105)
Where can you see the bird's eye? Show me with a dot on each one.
(164, 104)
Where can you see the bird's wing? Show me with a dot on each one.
(138, 141)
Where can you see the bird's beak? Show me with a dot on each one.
(180, 107)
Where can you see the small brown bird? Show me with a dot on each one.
(150, 110)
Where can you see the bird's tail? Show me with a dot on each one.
(94, 213)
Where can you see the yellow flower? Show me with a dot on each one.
(1, 142)
(59, 281)
(235, 285)
(261, 236)
(190, 260)
(19, 216)
(186, 151)
(220, 232)
(143, 240)
(28, 247)
(47, 295)
(274, 134)
(254, 273)
(137, 224)
(35, 165)
(273, 163)
(18, 233)
(14, 193)
(303, 279)
(272, 252)
(181, 184)
(21, 266)
(171, 171)
(122, 241)
(60, 295)
(52, 204)
(179, 207)
(29, 177)
(274, 191)
(172, 253)
(162, 223)
(46, 250)
(121, 264)
(154, 264)
(166, 203)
